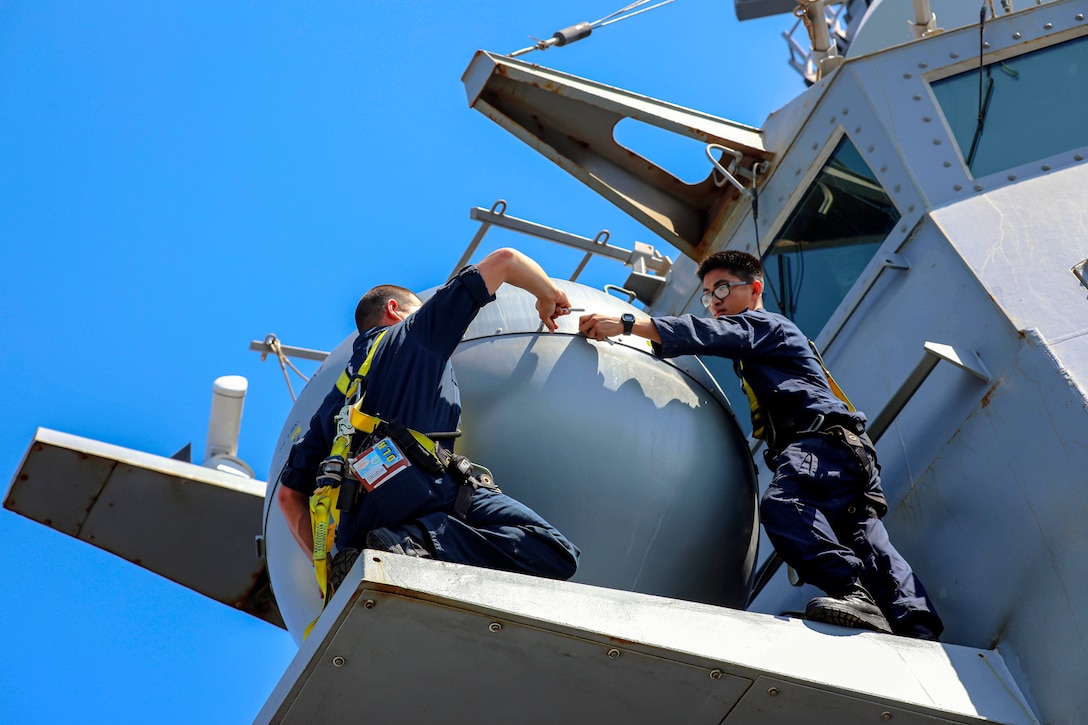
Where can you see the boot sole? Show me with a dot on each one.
(846, 616)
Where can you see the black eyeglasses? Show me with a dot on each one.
(721, 292)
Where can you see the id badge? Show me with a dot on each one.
(378, 464)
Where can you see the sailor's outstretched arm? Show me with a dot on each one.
(598, 327)
(513, 267)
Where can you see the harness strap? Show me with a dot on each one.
(324, 502)
(830, 380)
(763, 426)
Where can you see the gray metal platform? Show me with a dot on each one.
(193, 525)
(410, 640)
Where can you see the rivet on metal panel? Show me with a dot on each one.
(986, 44)
(1012, 177)
(923, 65)
(907, 76)
(885, 716)
(715, 674)
(846, 111)
(1046, 167)
(815, 146)
(857, 129)
(613, 653)
(978, 187)
(953, 56)
(1078, 17)
(1016, 35)
(832, 120)
(338, 661)
(773, 692)
(897, 188)
(1078, 157)
(498, 330)
(947, 164)
(916, 97)
(958, 187)
(1048, 26)
(870, 148)
(369, 604)
(910, 208)
(927, 119)
(883, 168)
(936, 142)
(494, 626)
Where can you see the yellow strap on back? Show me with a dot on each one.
(324, 516)
(343, 384)
(759, 422)
(830, 380)
(759, 427)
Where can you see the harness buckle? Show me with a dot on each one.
(330, 472)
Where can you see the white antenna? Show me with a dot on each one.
(224, 425)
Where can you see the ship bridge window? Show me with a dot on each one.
(827, 241)
(1018, 110)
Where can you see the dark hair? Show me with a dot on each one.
(369, 311)
(735, 262)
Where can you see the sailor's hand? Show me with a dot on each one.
(551, 308)
(598, 327)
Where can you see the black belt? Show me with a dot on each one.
(850, 430)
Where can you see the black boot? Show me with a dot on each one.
(855, 609)
(383, 539)
(341, 565)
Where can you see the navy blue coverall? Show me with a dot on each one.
(822, 509)
(411, 380)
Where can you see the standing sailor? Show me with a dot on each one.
(822, 509)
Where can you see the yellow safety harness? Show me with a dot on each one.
(761, 421)
(338, 487)
(324, 513)
(830, 380)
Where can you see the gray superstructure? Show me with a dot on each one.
(919, 203)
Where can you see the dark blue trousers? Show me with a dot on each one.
(502, 533)
(816, 515)
(498, 532)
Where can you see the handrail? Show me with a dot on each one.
(934, 353)
(265, 348)
(641, 258)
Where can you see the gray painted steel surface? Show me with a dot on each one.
(410, 640)
(193, 525)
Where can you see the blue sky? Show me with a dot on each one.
(178, 179)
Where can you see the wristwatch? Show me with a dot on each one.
(628, 321)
